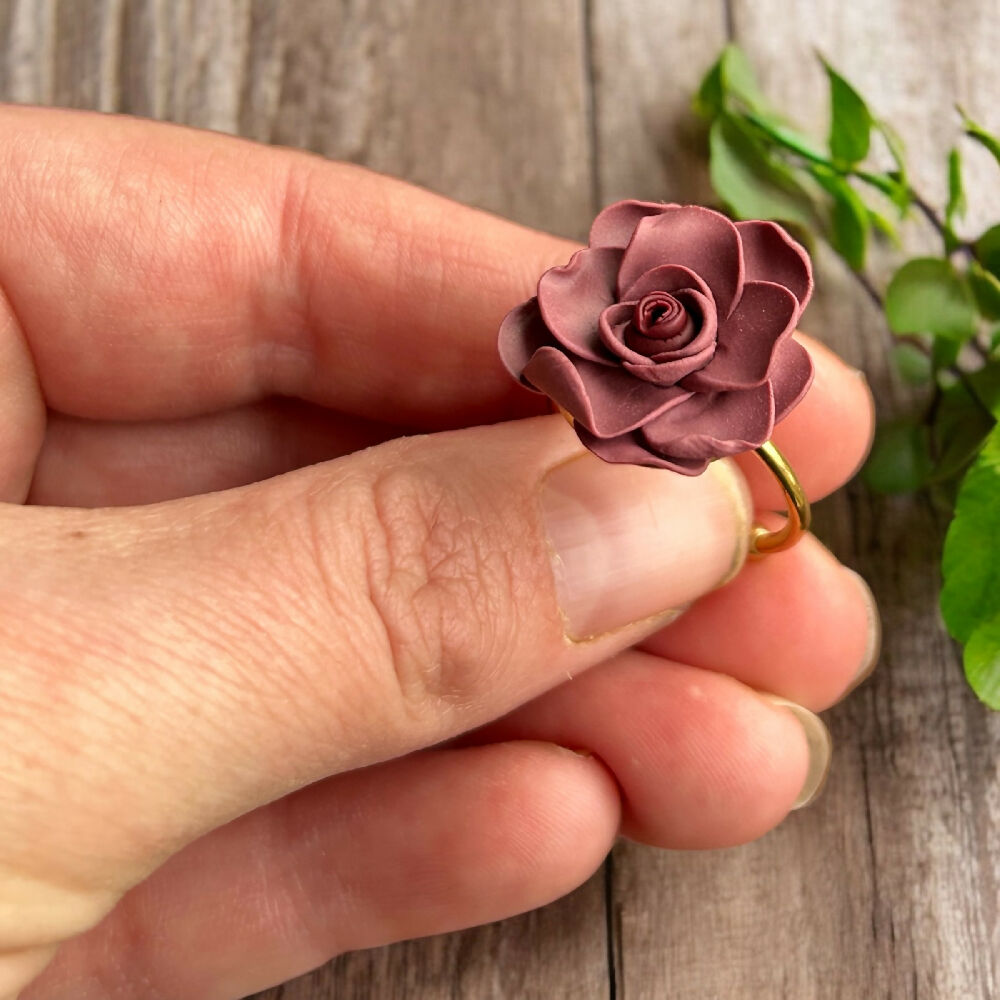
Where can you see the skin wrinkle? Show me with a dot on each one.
(72, 686)
(306, 591)
(412, 599)
(287, 356)
(319, 579)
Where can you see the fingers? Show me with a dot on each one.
(89, 463)
(325, 620)
(702, 761)
(436, 842)
(799, 625)
(159, 272)
(276, 273)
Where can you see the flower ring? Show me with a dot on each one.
(667, 342)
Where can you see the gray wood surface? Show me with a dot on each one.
(542, 110)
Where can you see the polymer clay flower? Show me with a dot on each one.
(668, 339)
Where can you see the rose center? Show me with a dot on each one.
(659, 323)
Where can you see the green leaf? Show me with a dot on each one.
(961, 426)
(944, 352)
(986, 290)
(782, 134)
(730, 76)
(889, 184)
(982, 661)
(896, 183)
(850, 120)
(849, 222)
(984, 138)
(897, 148)
(900, 460)
(987, 249)
(739, 79)
(956, 192)
(884, 226)
(927, 295)
(912, 364)
(985, 385)
(709, 96)
(751, 184)
(971, 562)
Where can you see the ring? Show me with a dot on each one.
(763, 541)
(667, 342)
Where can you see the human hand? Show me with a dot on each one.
(186, 313)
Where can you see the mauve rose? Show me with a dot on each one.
(668, 339)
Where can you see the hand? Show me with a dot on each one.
(220, 687)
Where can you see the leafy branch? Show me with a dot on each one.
(941, 311)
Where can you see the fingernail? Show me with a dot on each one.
(820, 749)
(873, 646)
(630, 543)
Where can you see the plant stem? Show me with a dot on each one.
(983, 353)
(873, 293)
(914, 341)
(928, 212)
(930, 419)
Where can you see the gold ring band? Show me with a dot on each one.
(762, 541)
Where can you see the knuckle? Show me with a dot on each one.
(440, 583)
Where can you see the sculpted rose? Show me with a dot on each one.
(668, 339)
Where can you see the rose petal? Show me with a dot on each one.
(611, 327)
(615, 225)
(770, 254)
(666, 373)
(522, 332)
(748, 339)
(695, 237)
(571, 298)
(668, 367)
(710, 425)
(607, 401)
(791, 376)
(703, 308)
(666, 278)
(632, 450)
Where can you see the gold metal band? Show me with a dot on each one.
(764, 542)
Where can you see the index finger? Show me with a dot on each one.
(162, 272)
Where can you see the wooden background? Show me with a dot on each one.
(544, 110)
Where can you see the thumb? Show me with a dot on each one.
(173, 666)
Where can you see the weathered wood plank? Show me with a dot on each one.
(647, 60)
(887, 887)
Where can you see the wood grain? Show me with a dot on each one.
(888, 887)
